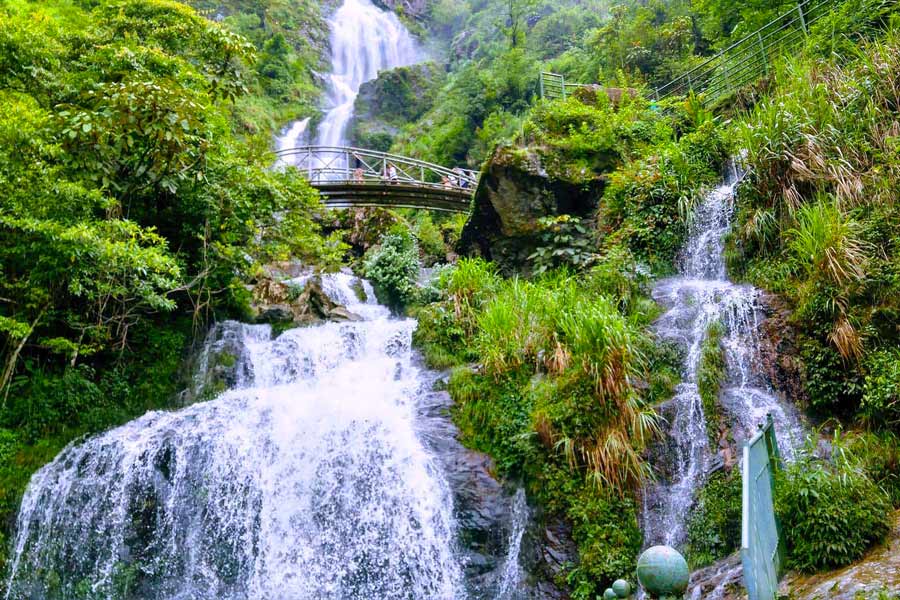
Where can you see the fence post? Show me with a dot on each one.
(562, 84)
(802, 18)
(762, 51)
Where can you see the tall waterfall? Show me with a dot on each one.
(310, 480)
(699, 296)
(364, 41)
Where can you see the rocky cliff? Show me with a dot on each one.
(518, 187)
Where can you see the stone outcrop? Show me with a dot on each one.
(517, 188)
(779, 354)
(281, 303)
(415, 9)
(390, 101)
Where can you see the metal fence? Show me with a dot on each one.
(762, 550)
(739, 64)
(554, 86)
(750, 57)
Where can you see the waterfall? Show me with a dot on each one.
(364, 41)
(309, 480)
(699, 296)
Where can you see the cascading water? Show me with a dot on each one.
(364, 41)
(700, 296)
(309, 480)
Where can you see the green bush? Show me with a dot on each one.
(714, 525)
(831, 512)
(881, 389)
(393, 267)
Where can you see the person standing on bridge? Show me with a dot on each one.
(392, 172)
(459, 179)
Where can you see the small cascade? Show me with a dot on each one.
(511, 578)
(294, 135)
(700, 296)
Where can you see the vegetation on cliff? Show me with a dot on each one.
(131, 210)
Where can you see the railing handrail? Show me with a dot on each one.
(464, 175)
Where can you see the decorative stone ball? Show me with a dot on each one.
(622, 588)
(663, 571)
(609, 594)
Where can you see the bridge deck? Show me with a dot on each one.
(344, 194)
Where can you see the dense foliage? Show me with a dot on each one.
(714, 526)
(818, 222)
(130, 211)
(554, 399)
(831, 512)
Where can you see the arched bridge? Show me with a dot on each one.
(347, 177)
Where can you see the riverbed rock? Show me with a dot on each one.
(281, 302)
(518, 188)
(877, 572)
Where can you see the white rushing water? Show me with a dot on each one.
(700, 296)
(307, 481)
(364, 41)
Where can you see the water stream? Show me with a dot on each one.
(698, 297)
(314, 478)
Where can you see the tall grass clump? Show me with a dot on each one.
(817, 219)
(556, 378)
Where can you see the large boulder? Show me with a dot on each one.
(284, 303)
(517, 188)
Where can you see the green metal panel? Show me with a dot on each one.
(762, 550)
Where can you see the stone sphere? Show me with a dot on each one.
(609, 594)
(622, 588)
(663, 571)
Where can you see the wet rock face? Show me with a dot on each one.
(778, 351)
(483, 509)
(390, 101)
(278, 302)
(412, 8)
(723, 580)
(221, 364)
(515, 191)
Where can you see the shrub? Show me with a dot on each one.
(714, 526)
(881, 390)
(393, 267)
(831, 512)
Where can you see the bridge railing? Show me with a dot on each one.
(336, 164)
